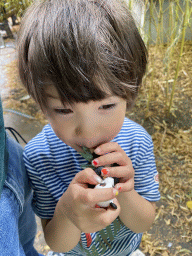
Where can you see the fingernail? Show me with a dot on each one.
(98, 179)
(116, 192)
(119, 188)
(105, 171)
(97, 150)
(95, 162)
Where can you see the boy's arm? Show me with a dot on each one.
(60, 234)
(75, 212)
(136, 213)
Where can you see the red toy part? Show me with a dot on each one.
(89, 239)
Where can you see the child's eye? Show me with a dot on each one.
(108, 106)
(63, 111)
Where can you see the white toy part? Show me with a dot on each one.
(106, 183)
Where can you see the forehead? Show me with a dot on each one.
(52, 95)
(51, 92)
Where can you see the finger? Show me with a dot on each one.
(125, 187)
(94, 196)
(104, 217)
(110, 212)
(87, 176)
(118, 157)
(107, 148)
(125, 172)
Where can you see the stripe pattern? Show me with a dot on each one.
(51, 165)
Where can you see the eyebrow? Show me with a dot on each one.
(52, 96)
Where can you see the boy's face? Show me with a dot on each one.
(85, 124)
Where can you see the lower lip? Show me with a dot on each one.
(80, 149)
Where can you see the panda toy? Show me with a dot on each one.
(108, 182)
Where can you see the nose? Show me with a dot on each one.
(87, 131)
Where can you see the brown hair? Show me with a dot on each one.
(81, 47)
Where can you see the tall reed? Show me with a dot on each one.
(180, 16)
(185, 22)
(160, 24)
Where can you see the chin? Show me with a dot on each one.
(78, 149)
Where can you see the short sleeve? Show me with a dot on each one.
(43, 203)
(146, 175)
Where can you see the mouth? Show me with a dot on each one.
(91, 149)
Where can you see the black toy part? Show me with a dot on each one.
(114, 206)
(98, 169)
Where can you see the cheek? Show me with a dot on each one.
(59, 134)
(59, 130)
(115, 125)
(118, 125)
(61, 127)
(118, 121)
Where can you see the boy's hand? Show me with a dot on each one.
(112, 153)
(78, 203)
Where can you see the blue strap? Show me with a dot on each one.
(3, 151)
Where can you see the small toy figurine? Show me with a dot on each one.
(108, 182)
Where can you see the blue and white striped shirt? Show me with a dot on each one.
(52, 165)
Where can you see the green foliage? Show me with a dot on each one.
(89, 157)
(13, 7)
(87, 154)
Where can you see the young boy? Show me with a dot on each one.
(83, 62)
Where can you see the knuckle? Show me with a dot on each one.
(110, 193)
(87, 198)
(88, 171)
(75, 195)
(119, 154)
(116, 144)
(77, 175)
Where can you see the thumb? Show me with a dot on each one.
(87, 176)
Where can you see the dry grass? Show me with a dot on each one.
(171, 233)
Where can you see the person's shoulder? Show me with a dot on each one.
(16, 180)
(135, 141)
(15, 157)
(13, 147)
(41, 141)
(133, 130)
(43, 148)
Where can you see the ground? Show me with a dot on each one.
(171, 233)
